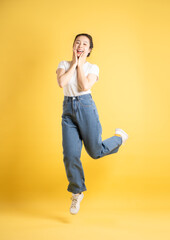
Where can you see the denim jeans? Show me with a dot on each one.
(80, 122)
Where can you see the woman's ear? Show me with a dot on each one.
(90, 50)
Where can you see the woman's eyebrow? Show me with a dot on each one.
(79, 41)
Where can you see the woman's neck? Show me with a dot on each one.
(71, 62)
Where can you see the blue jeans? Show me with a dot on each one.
(80, 122)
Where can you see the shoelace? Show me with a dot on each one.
(74, 201)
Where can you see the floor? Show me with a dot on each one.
(100, 217)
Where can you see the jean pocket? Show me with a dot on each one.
(85, 102)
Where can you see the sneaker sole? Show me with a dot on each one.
(119, 129)
(123, 132)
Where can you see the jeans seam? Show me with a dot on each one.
(89, 105)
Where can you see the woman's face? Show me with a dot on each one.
(81, 44)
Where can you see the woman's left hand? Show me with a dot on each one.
(82, 58)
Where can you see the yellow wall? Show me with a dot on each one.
(131, 48)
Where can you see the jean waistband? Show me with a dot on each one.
(85, 96)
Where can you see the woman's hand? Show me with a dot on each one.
(74, 57)
(82, 58)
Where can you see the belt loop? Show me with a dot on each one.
(67, 99)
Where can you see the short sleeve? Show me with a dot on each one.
(95, 70)
(61, 65)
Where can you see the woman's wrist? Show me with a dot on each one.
(73, 64)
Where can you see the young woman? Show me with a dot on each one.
(80, 119)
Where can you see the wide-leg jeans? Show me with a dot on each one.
(80, 122)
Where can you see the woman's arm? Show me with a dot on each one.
(64, 77)
(84, 82)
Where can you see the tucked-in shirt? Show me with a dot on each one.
(71, 89)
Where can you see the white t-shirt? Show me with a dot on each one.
(71, 89)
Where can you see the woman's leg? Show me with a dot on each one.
(91, 130)
(72, 145)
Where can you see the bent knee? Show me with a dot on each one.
(94, 155)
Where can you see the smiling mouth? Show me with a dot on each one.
(79, 52)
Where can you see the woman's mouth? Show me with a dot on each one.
(79, 52)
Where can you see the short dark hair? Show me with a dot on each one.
(89, 37)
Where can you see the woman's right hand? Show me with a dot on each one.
(74, 58)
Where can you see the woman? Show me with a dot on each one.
(80, 119)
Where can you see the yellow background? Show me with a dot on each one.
(127, 193)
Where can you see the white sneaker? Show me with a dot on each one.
(123, 134)
(75, 205)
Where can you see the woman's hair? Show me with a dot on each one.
(89, 37)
